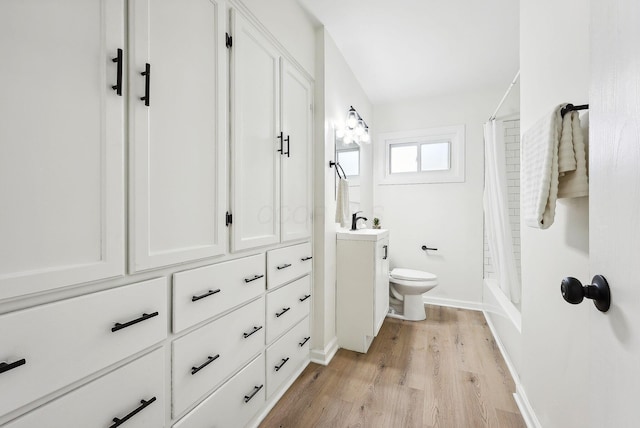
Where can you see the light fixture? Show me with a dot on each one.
(356, 129)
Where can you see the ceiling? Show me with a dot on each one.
(401, 49)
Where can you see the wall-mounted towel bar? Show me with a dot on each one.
(570, 107)
(338, 169)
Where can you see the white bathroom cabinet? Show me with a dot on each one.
(362, 286)
(271, 130)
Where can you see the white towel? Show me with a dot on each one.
(573, 182)
(540, 170)
(342, 203)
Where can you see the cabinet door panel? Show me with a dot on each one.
(178, 160)
(61, 151)
(255, 161)
(295, 212)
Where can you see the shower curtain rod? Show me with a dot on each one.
(515, 79)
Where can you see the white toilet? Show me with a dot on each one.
(407, 287)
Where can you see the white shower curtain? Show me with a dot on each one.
(496, 211)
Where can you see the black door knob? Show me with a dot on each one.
(574, 292)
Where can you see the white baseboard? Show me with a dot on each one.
(453, 303)
(324, 356)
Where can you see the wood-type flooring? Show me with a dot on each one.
(445, 371)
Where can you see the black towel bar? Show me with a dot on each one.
(570, 107)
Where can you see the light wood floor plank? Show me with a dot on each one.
(444, 372)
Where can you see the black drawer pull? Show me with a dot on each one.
(117, 326)
(118, 60)
(306, 339)
(284, 266)
(280, 137)
(147, 84)
(304, 259)
(256, 389)
(284, 310)
(306, 296)
(5, 367)
(284, 361)
(207, 294)
(245, 335)
(210, 360)
(143, 404)
(288, 152)
(253, 279)
(386, 252)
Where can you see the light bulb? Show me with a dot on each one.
(352, 118)
(360, 127)
(339, 133)
(365, 138)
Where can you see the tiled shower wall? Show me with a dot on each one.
(512, 152)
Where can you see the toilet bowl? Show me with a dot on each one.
(407, 287)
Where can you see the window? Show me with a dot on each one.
(422, 156)
(349, 160)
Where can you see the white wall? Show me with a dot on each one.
(336, 89)
(447, 216)
(554, 52)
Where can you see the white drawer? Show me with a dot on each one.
(202, 293)
(285, 264)
(287, 305)
(65, 341)
(285, 356)
(135, 390)
(234, 404)
(208, 355)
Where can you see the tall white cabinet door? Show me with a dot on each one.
(178, 170)
(61, 144)
(255, 160)
(297, 114)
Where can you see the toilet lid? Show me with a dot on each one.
(412, 275)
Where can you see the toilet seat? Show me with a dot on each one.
(412, 275)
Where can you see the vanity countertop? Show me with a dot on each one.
(362, 234)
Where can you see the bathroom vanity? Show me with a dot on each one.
(362, 286)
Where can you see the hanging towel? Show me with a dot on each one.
(573, 182)
(342, 203)
(540, 170)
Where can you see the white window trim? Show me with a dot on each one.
(455, 174)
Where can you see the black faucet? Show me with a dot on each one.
(355, 218)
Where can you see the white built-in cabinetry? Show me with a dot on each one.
(120, 300)
(271, 112)
(362, 286)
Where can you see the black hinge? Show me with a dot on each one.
(229, 40)
(229, 219)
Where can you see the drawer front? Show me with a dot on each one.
(287, 305)
(115, 395)
(202, 293)
(285, 264)
(285, 356)
(208, 355)
(234, 404)
(65, 341)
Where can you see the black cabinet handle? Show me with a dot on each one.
(207, 294)
(306, 296)
(210, 360)
(284, 361)
(306, 339)
(245, 335)
(147, 84)
(288, 152)
(284, 266)
(256, 389)
(5, 367)
(253, 279)
(143, 404)
(284, 310)
(304, 259)
(386, 252)
(117, 326)
(280, 137)
(118, 60)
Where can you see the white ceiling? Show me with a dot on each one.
(400, 49)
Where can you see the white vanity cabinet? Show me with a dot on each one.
(271, 122)
(362, 286)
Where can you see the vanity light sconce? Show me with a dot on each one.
(356, 129)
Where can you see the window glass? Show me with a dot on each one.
(435, 156)
(350, 162)
(403, 158)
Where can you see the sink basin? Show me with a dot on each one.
(362, 234)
